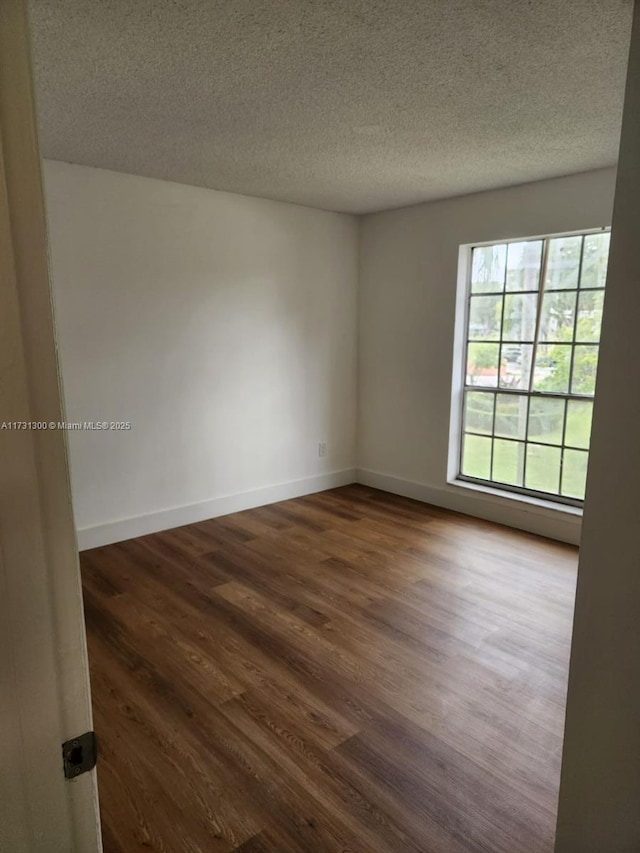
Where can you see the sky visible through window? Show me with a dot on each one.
(533, 333)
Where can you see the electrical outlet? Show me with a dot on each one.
(322, 448)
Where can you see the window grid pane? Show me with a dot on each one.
(534, 315)
(508, 462)
(523, 266)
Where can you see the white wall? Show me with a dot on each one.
(222, 326)
(407, 303)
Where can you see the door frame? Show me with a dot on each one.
(45, 698)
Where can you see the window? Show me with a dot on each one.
(531, 352)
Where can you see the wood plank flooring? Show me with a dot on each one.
(349, 671)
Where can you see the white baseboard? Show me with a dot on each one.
(556, 523)
(562, 523)
(127, 528)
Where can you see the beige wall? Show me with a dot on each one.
(600, 789)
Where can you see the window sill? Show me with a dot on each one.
(499, 495)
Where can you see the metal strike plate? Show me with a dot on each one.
(79, 754)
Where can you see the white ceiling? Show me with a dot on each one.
(350, 105)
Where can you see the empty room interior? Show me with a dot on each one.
(328, 282)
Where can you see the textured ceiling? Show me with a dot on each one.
(351, 105)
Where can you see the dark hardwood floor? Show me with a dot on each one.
(348, 671)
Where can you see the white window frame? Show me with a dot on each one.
(463, 290)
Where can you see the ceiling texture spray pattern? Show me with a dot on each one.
(348, 105)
